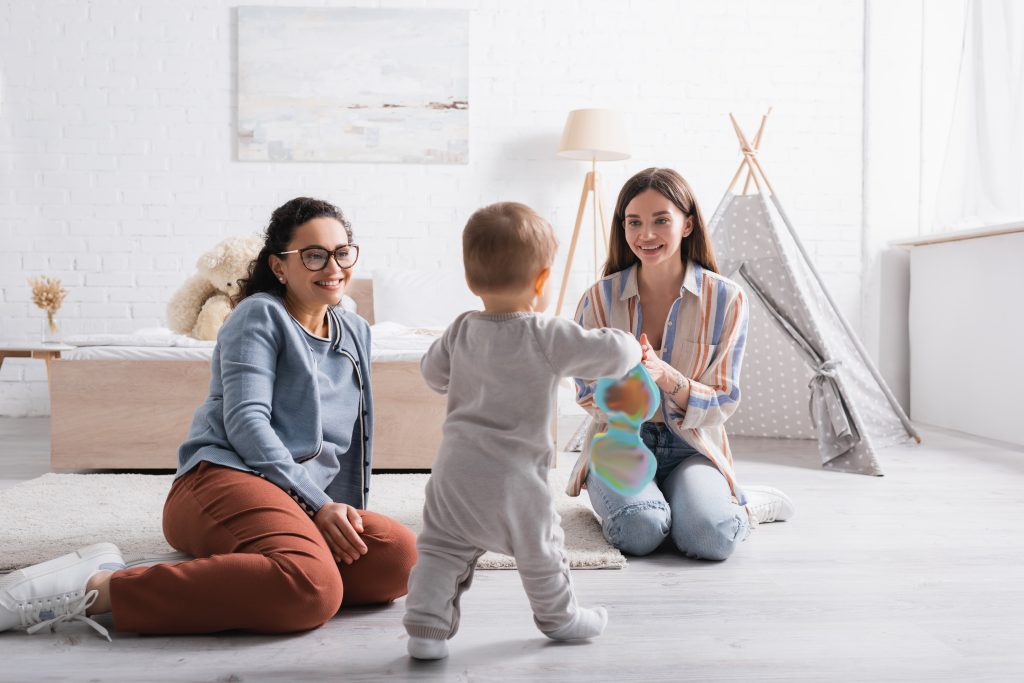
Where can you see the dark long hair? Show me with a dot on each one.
(666, 182)
(283, 222)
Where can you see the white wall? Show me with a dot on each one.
(892, 178)
(117, 121)
(912, 52)
(942, 42)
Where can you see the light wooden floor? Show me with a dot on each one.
(918, 575)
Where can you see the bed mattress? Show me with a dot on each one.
(390, 343)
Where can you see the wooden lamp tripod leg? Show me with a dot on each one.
(600, 211)
(588, 186)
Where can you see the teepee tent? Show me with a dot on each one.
(800, 349)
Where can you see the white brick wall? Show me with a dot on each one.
(117, 121)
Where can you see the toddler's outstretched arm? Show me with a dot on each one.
(577, 352)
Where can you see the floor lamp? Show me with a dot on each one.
(591, 135)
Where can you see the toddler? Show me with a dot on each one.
(488, 490)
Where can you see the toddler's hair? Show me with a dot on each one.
(504, 246)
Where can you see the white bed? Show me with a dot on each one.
(391, 343)
(126, 401)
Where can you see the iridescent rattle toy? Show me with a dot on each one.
(619, 457)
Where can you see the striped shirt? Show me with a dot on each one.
(704, 338)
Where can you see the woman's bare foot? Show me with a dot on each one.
(99, 582)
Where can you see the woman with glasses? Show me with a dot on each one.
(271, 489)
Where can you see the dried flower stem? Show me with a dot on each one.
(48, 295)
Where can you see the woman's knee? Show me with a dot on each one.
(704, 538)
(311, 592)
(638, 528)
(391, 549)
(396, 551)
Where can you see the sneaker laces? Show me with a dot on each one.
(766, 510)
(752, 516)
(65, 608)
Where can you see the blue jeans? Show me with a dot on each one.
(689, 499)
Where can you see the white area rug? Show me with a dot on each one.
(57, 513)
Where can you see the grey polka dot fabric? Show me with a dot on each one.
(802, 377)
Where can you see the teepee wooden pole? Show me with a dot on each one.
(752, 158)
(745, 162)
(739, 171)
(749, 156)
(757, 147)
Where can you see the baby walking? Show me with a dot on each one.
(488, 490)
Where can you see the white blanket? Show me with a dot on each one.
(150, 336)
(390, 342)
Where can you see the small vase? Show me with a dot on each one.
(51, 332)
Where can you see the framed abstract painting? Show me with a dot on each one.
(353, 85)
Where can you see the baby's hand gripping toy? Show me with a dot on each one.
(619, 457)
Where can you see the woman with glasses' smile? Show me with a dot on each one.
(315, 270)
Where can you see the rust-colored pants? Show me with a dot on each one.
(262, 565)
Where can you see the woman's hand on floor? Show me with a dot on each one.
(341, 525)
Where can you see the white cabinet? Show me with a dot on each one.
(967, 333)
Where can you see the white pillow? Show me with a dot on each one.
(417, 298)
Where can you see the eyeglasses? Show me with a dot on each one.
(316, 258)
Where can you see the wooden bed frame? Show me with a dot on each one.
(133, 414)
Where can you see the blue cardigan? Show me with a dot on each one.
(263, 412)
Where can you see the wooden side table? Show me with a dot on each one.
(44, 352)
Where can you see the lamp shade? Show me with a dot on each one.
(598, 134)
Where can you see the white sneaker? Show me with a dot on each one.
(767, 504)
(427, 648)
(53, 592)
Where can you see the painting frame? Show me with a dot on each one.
(340, 84)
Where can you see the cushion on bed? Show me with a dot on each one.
(421, 299)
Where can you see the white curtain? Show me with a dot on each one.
(983, 173)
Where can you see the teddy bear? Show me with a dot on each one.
(203, 302)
